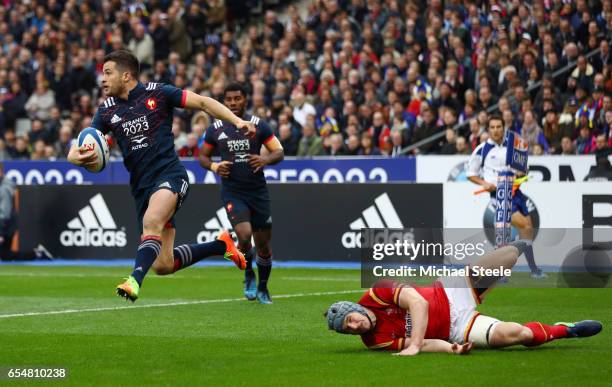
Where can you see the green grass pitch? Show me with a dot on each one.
(193, 329)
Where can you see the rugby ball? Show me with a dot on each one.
(93, 139)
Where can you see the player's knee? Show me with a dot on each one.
(524, 222)
(153, 224)
(263, 250)
(524, 335)
(244, 245)
(506, 333)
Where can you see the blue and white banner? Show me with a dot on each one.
(321, 170)
(440, 169)
(517, 151)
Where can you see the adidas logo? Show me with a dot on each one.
(222, 136)
(213, 227)
(165, 184)
(381, 214)
(115, 119)
(94, 226)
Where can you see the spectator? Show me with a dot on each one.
(288, 140)
(62, 145)
(190, 149)
(38, 151)
(426, 128)
(552, 131)
(461, 146)
(532, 132)
(310, 143)
(179, 39)
(38, 132)
(81, 79)
(475, 132)
(160, 35)
(381, 132)
(336, 147)
(353, 145)
(180, 137)
(356, 58)
(449, 146)
(584, 144)
(397, 144)
(14, 104)
(40, 103)
(537, 150)
(567, 146)
(601, 145)
(142, 46)
(53, 125)
(367, 146)
(20, 152)
(301, 108)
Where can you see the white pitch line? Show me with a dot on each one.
(169, 304)
(331, 279)
(114, 275)
(79, 275)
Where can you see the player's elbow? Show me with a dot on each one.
(420, 304)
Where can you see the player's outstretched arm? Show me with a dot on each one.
(435, 345)
(82, 156)
(482, 182)
(412, 301)
(218, 110)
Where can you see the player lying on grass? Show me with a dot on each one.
(140, 119)
(443, 316)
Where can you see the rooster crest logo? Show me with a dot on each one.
(151, 103)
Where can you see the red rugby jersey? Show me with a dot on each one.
(393, 324)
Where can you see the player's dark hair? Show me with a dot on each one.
(496, 117)
(235, 87)
(125, 61)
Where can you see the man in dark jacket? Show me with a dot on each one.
(8, 225)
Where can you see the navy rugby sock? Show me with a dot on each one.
(529, 256)
(264, 267)
(148, 250)
(187, 255)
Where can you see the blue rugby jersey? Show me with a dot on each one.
(142, 127)
(235, 146)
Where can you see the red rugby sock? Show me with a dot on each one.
(543, 333)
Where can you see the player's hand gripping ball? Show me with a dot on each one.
(91, 139)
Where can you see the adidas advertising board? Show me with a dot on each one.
(320, 222)
(79, 221)
(330, 214)
(94, 227)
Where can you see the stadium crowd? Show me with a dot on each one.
(354, 77)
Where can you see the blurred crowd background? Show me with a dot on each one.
(332, 77)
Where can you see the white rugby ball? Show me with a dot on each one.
(95, 140)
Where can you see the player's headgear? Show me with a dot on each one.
(338, 311)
